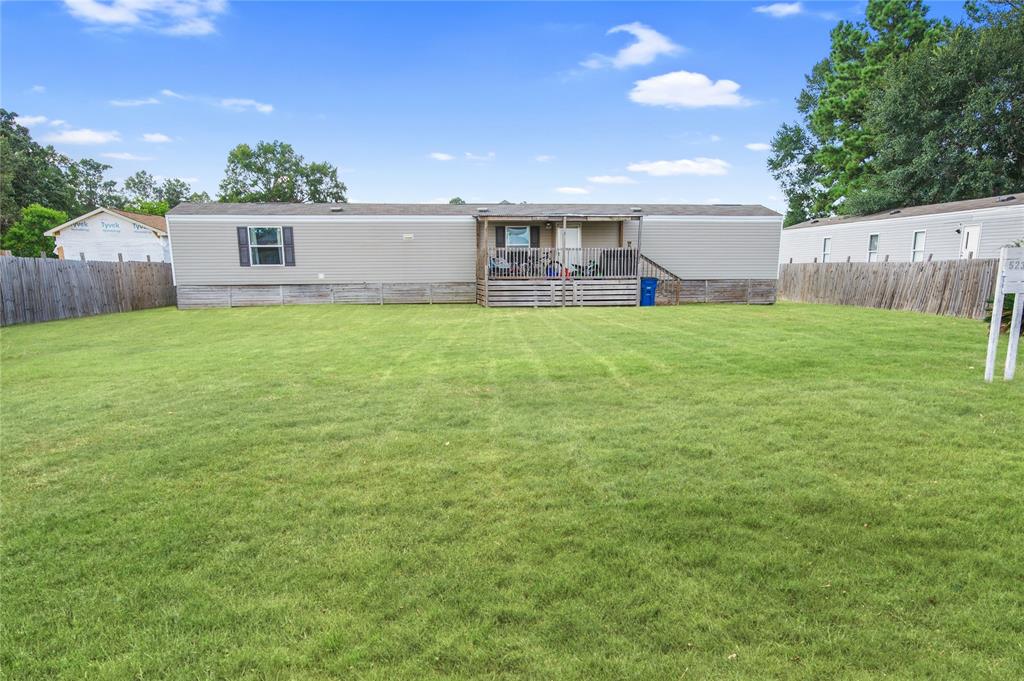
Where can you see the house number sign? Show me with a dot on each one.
(1009, 280)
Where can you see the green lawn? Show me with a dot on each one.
(404, 492)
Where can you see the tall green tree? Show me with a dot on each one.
(173, 191)
(828, 154)
(26, 236)
(457, 201)
(91, 187)
(952, 118)
(29, 172)
(274, 172)
(140, 187)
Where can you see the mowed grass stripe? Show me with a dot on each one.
(792, 491)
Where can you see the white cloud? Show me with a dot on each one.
(171, 17)
(648, 46)
(543, 158)
(611, 179)
(38, 89)
(572, 190)
(441, 156)
(780, 9)
(83, 136)
(126, 156)
(155, 137)
(246, 105)
(489, 156)
(134, 102)
(684, 89)
(758, 146)
(171, 93)
(715, 138)
(683, 166)
(29, 121)
(58, 123)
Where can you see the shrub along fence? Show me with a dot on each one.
(43, 289)
(956, 288)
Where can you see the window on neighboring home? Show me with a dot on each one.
(266, 247)
(873, 248)
(826, 249)
(517, 237)
(917, 252)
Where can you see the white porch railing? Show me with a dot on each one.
(562, 263)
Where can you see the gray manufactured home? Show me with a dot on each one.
(976, 228)
(227, 254)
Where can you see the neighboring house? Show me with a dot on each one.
(112, 234)
(976, 228)
(495, 254)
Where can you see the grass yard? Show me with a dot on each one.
(324, 492)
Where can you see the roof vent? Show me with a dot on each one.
(636, 209)
(894, 212)
(483, 210)
(1004, 199)
(336, 209)
(814, 221)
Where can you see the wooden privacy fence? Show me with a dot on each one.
(956, 288)
(44, 289)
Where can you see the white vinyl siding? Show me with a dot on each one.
(715, 248)
(999, 226)
(345, 249)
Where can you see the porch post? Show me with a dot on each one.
(484, 258)
(639, 244)
(565, 264)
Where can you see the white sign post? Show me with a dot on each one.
(1010, 279)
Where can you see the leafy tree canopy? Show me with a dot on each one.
(952, 119)
(29, 173)
(148, 207)
(457, 201)
(274, 172)
(826, 156)
(25, 237)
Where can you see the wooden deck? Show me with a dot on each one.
(561, 292)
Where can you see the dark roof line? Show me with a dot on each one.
(493, 210)
(914, 211)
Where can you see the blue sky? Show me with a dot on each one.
(539, 102)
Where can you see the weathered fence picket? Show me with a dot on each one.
(44, 289)
(955, 288)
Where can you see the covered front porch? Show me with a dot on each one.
(558, 260)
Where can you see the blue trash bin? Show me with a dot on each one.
(648, 289)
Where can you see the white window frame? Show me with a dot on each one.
(253, 245)
(873, 254)
(523, 227)
(914, 250)
(826, 249)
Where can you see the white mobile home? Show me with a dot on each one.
(494, 254)
(976, 228)
(111, 234)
